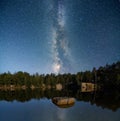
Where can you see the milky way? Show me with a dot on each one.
(60, 46)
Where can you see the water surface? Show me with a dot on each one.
(43, 109)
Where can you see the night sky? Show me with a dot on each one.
(58, 36)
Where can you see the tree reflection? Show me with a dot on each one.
(105, 99)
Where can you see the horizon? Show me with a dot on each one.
(60, 73)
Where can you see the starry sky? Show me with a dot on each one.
(58, 36)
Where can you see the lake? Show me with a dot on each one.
(37, 105)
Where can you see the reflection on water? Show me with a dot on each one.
(104, 99)
(39, 105)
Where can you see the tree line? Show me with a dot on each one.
(105, 76)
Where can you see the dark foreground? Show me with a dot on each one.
(37, 105)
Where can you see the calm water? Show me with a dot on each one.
(39, 107)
